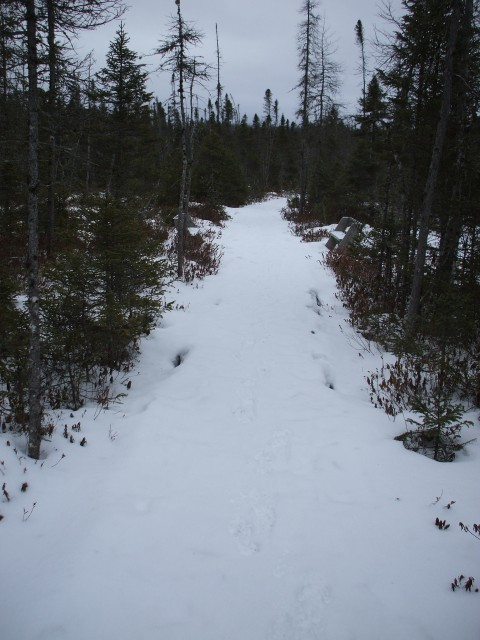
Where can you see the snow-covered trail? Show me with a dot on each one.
(251, 492)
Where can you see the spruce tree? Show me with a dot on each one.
(360, 40)
(58, 23)
(307, 47)
(122, 88)
(186, 71)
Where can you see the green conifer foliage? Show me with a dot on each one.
(102, 295)
(217, 175)
(13, 348)
(122, 89)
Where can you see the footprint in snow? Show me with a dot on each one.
(253, 529)
(246, 410)
(276, 453)
(316, 303)
(326, 369)
(306, 618)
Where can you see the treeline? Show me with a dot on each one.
(410, 175)
(414, 282)
(90, 174)
(92, 165)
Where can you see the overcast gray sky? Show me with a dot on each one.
(257, 44)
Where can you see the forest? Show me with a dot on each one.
(96, 173)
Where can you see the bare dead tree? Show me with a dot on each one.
(34, 363)
(307, 48)
(174, 51)
(360, 40)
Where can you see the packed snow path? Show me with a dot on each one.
(246, 489)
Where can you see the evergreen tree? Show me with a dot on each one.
(218, 177)
(219, 87)
(434, 167)
(268, 107)
(268, 138)
(60, 21)
(360, 40)
(307, 47)
(122, 88)
(415, 146)
(318, 85)
(95, 321)
(430, 108)
(374, 109)
(174, 53)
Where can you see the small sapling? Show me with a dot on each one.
(459, 584)
(476, 529)
(441, 524)
(27, 514)
(59, 460)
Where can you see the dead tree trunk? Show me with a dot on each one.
(182, 214)
(51, 106)
(34, 364)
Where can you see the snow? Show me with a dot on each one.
(251, 492)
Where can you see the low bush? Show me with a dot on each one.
(215, 214)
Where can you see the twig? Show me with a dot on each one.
(25, 512)
(62, 457)
(464, 527)
(5, 492)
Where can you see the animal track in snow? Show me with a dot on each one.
(253, 528)
(180, 357)
(277, 451)
(316, 303)
(326, 369)
(246, 410)
(306, 618)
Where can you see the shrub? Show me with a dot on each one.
(439, 428)
(99, 297)
(202, 253)
(308, 226)
(425, 383)
(215, 214)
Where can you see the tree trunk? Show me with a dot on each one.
(452, 228)
(219, 86)
(303, 173)
(413, 309)
(51, 108)
(34, 364)
(182, 213)
(304, 151)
